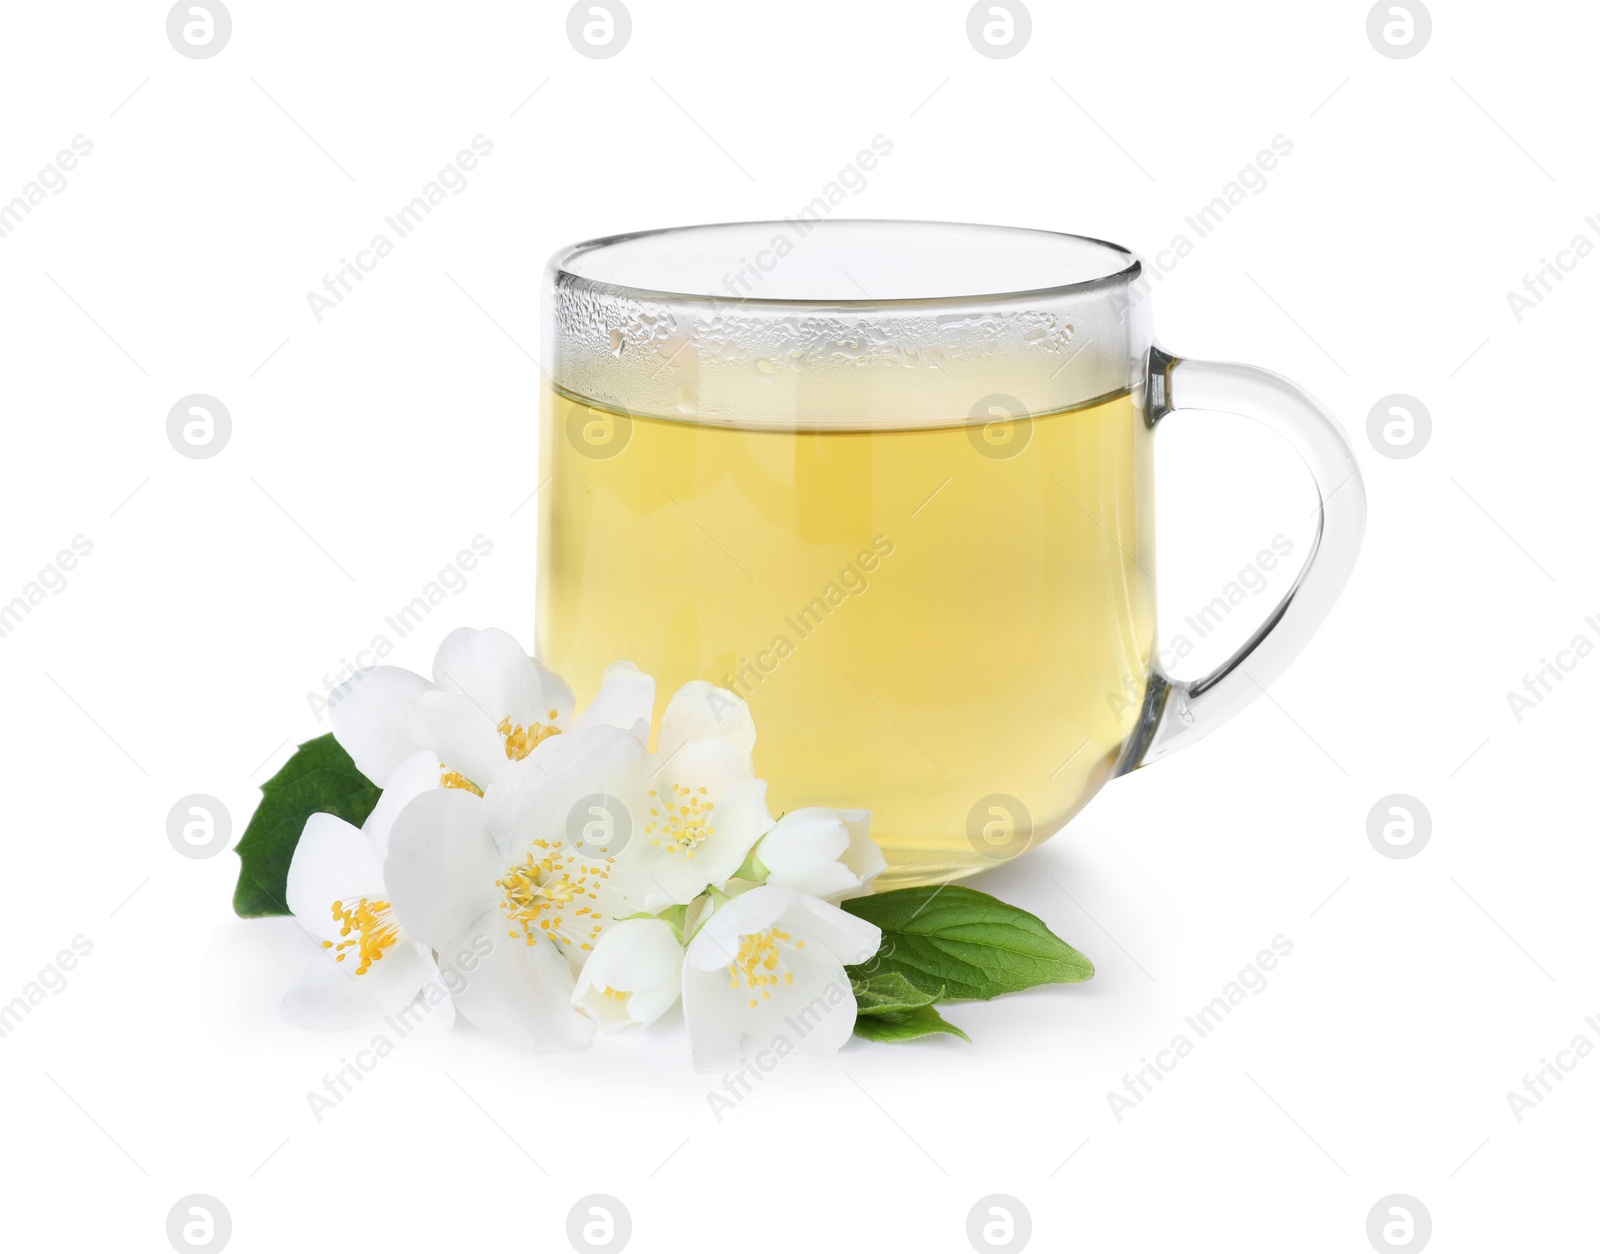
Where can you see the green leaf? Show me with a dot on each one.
(888, 993)
(960, 944)
(906, 1025)
(673, 916)
(319, 777)
(752, 868)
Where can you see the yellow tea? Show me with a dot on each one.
(951, 626)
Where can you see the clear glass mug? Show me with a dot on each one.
(891, 483)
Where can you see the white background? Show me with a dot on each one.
(370, 447)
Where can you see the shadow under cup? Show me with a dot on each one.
(890, 483)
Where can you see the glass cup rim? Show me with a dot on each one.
(561, 272)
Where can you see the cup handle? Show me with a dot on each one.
(1179, 712)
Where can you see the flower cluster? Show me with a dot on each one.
(591, 881)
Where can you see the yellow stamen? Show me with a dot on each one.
(687, 821)
(374, 927)
(538, 891)
(758, 964)
(455, 779)
(521, 741)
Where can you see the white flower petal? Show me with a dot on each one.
(638, 888)
(436, 994)
(716, 1020)
(649, 1004)
(826, 853)
(808, 1006)
(812, 1016)
(520, 993)
(550, 795)
(627, 699)
(816, 1014)
(717, 941)
(414, 776)
(808, 835)
(371, 717)
(864, 859)
(702, 711)
(640, 958)
(491, 669)
(330, 997)
(442, 865)
(462, 736)
(656, 871)
(849, 939)
(652, 878)
(332, 862)
(708, 764)
(741, 818)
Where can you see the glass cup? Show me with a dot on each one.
(891, 483)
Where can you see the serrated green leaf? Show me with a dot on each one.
(906, 1025)
(889, 992)
(319, 777)
(960, 944)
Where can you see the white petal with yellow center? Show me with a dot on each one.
(490, 705)
(501, 873)
(368, 965)
(496, 674)
(768, 967)
(703, 812)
